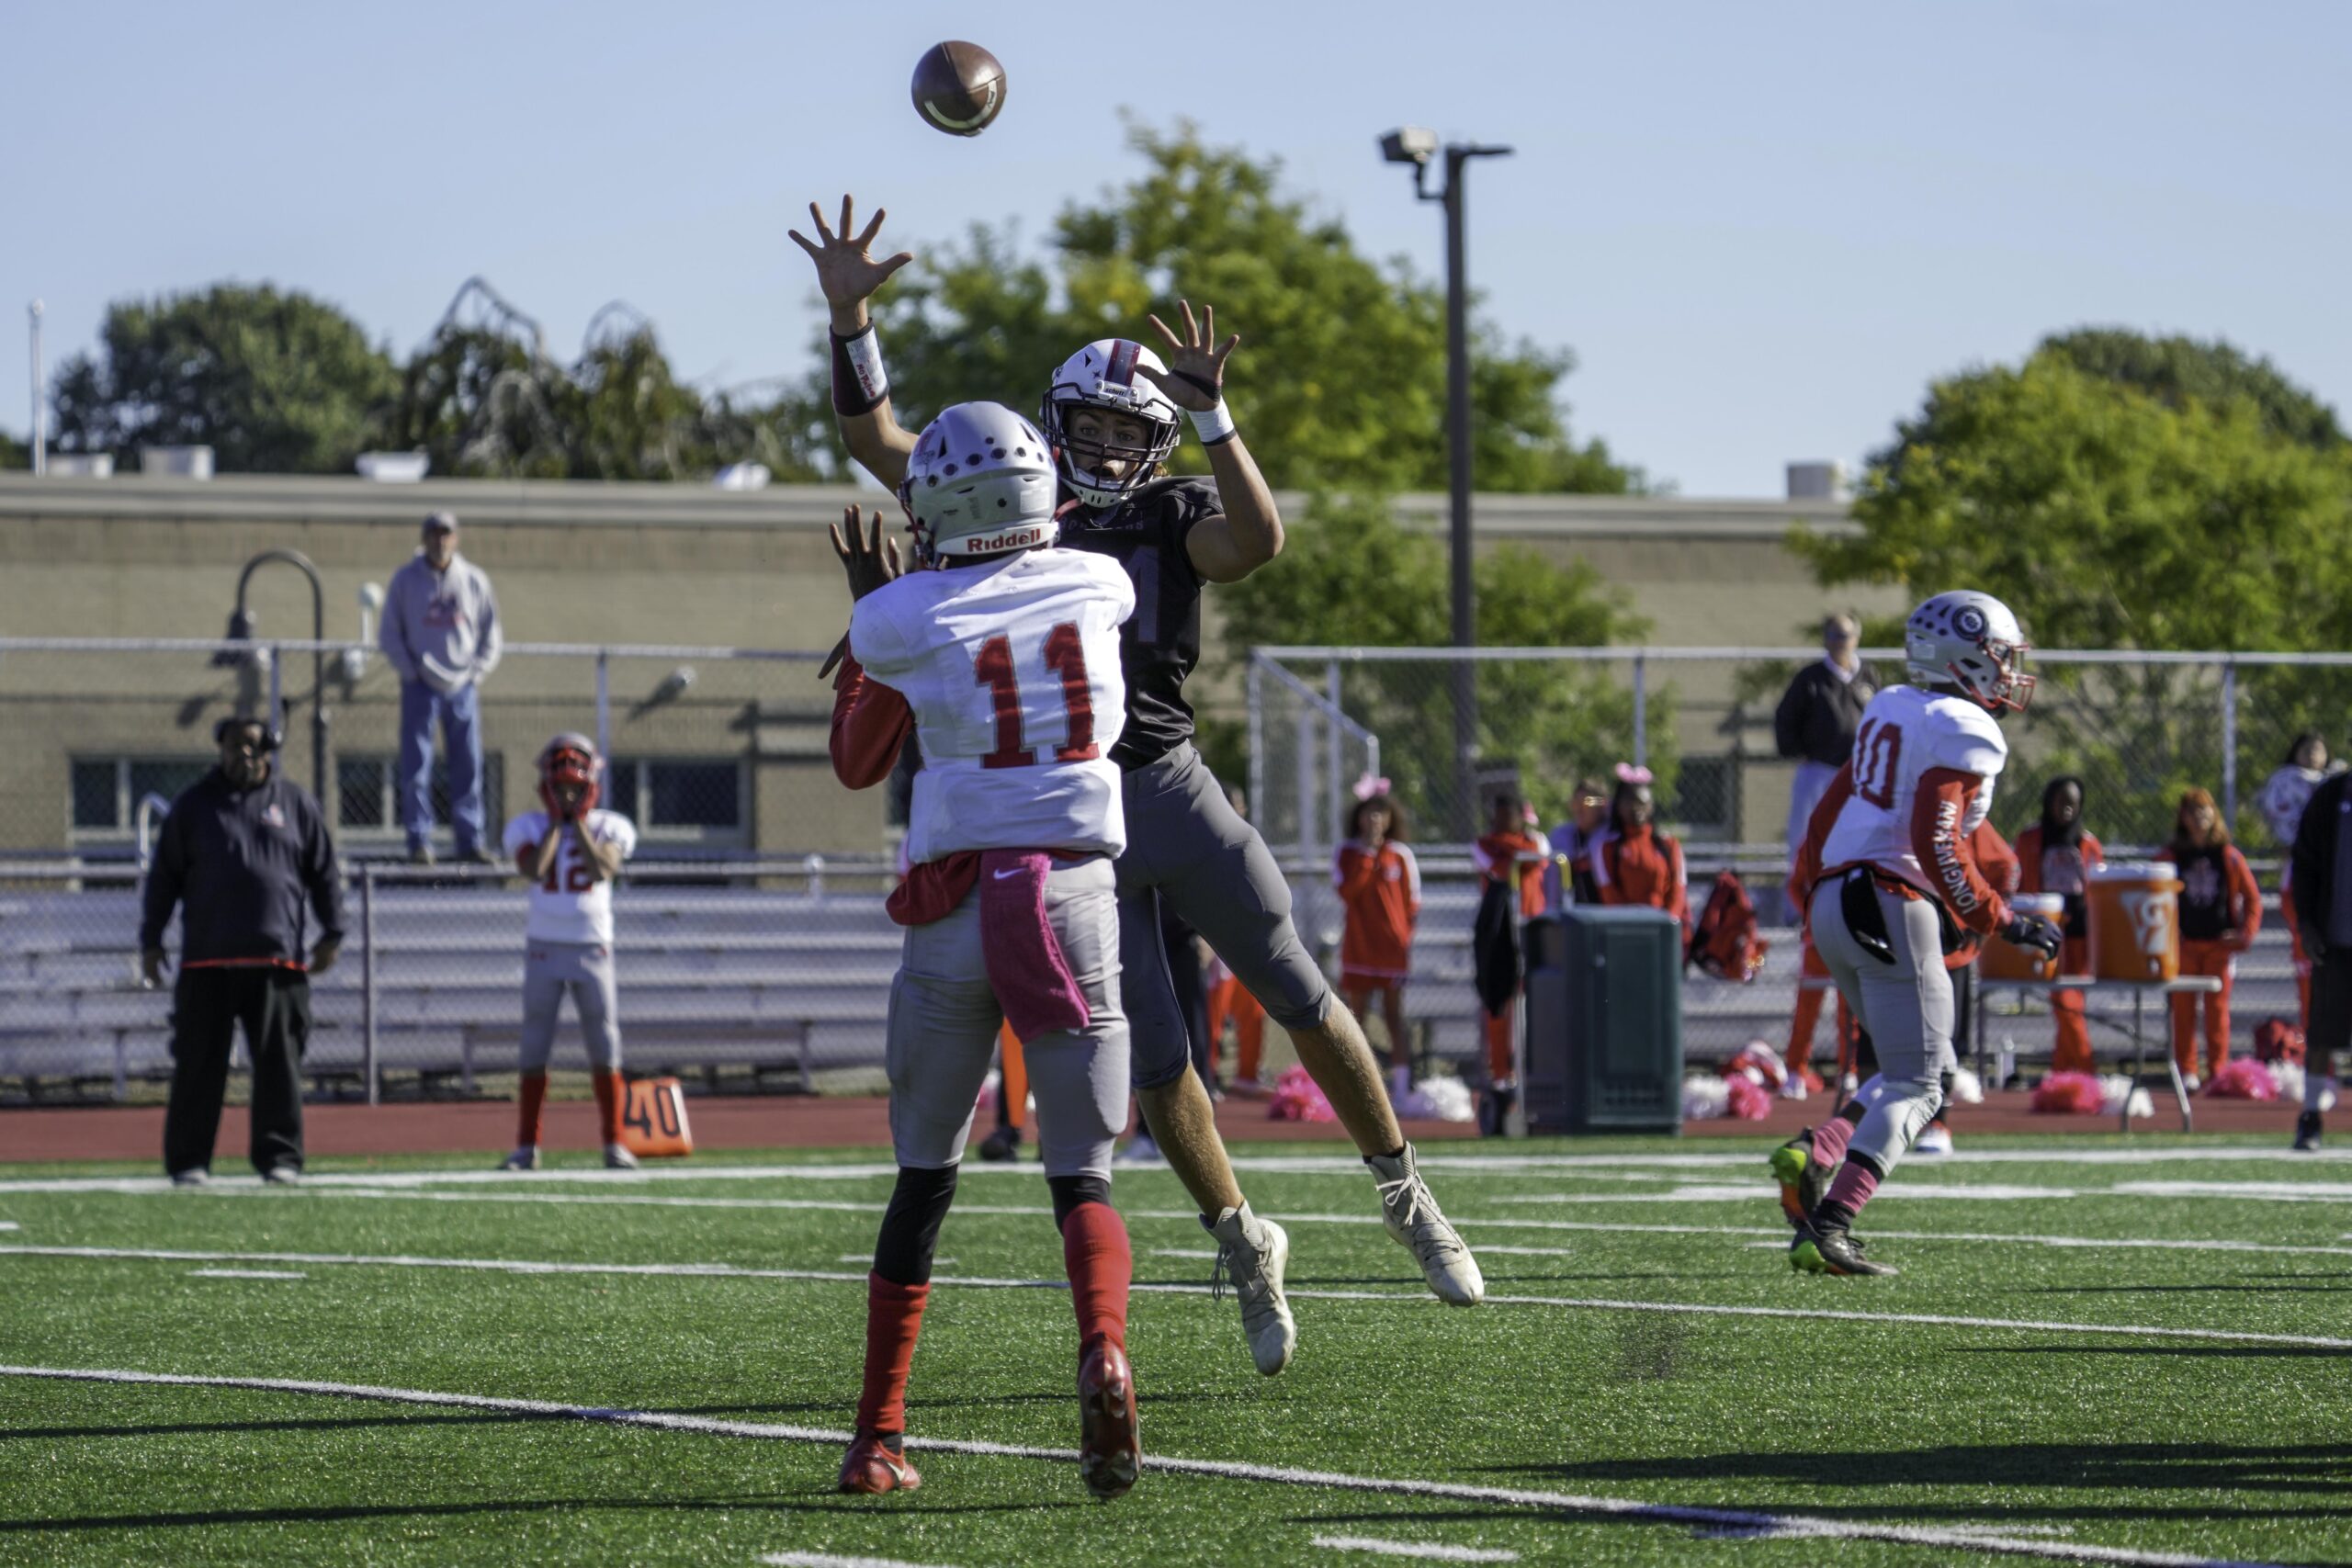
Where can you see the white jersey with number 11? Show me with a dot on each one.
(1012, 669)
(1906, 734)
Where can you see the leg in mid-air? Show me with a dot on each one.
(1204, 858)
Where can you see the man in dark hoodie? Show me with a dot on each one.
(246, 855)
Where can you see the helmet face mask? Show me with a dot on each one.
(570, 772)
(980, 483)
(1101, 376)
(1970, 642)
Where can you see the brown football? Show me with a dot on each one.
(959, 88)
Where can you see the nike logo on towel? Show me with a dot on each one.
(1002, 875)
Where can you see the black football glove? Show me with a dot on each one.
(2035, 931)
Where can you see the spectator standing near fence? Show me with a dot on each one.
(2284, 796)
(2321, 876)
(441, 632)
(1568, 879)
(2221, 910)
(246, 857)
(1379, 883)
(1510, 858)
(570, 851)
(2053, 857)
(1633, 863)
(1814, 727)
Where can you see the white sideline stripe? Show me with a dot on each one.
(1203, 1253)
(244, 1274)
(2057, 1152)
(1783, 1525)
(1435, 1549)
(2262, 1191)
(9, 1225)
(825, 1276)
(832, 1560)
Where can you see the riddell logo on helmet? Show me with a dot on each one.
(1018, 538)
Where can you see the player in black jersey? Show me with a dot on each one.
(1112, 411)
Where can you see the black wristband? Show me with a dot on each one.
(852, 396)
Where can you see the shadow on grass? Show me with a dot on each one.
(343, 1514)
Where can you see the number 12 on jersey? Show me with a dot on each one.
(1064, 661)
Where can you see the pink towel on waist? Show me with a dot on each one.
(1032, 979)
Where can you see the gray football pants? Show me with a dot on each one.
(584, 969)
(1186, 844)
(944, 1022)
(1906, 1005)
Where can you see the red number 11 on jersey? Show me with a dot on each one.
(1065, 657)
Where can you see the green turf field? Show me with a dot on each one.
(2156, 1365)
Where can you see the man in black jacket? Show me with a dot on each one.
(2320, 881)
(246, 855)
(1814, 727)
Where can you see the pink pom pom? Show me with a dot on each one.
(1758, 1063)
(1298, 1098)
(2070, 1094)
(1751, 1101)
(2243, 1080)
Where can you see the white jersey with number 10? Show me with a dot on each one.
(1906, 734)
(1012, 671)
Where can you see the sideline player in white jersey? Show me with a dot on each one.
(1004, 650)
(1890, 879)
(1115, 412)
(570, 851)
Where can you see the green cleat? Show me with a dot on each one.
(1831, 1249)
(1804, 1182)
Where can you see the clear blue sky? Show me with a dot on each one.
(1762, 228)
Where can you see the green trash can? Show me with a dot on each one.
(1604, 1022)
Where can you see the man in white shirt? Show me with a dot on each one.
(570, 851)
(440, 632)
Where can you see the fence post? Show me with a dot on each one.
(367, 978)
(278, 692)
(2230, 744)
(1258, 734)
(1641, 712)
(1332, 795)
(604, 708)
(815, 867)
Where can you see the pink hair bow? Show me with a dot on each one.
(1628, 773)
(1367, 786)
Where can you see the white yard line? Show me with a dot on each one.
(1435, 1549)
(833, 1559)
(243, 1274)
(1974, 1540)
(824, 1276)
(2259, 1191)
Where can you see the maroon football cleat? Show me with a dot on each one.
(870, 1466)
(1108, 1453)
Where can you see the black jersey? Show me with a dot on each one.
(1161, 641)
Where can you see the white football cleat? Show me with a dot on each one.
(1252, 1255)
(194, 1176)
(525, 1157)
(1420, 1226)
(618, 1158)
(282, 1176)
(1934, 1139)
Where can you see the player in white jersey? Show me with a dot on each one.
(1890, 881)
(1003, 651)
(569, 853)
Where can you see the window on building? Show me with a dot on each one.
(106, 791)
(367, 794)
(696, 799)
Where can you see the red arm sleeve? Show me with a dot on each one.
(1996, 859)
(2246, 896)
(2029, 854)
(871, 722)
(1945, 795)
(1355, 871)
(1807, 870)
(2094, 852)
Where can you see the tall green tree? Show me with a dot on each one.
(274, 381)
(1341, 381)
(1353, 575)
(2161, 500)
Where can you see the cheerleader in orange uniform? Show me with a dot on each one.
(1509, 850)
(1633, 863)
(2054, 856)
(2221, 910)
(1379, 885)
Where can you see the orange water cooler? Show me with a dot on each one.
(2001, 959)
(2135, 922)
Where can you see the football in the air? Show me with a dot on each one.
(959, 88)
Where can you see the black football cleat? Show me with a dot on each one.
(2307, 1130)
(1002, 1145)
(1831, 1249)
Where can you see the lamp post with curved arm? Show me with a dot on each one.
(241, 629)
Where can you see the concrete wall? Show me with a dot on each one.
(640, 564)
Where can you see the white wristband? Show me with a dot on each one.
(865, 352)
(1213, 427)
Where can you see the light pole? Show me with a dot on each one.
(40, 403)
(241, 629)
(1414, 145)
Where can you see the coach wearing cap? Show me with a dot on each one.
(246, 856)
(440, 632)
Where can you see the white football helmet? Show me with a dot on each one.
(1102, 376)
(1971, 642)
(980, 483)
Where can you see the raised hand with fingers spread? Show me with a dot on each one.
(1196, 377)
(846, 270)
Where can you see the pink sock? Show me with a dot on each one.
(1853, 1187)
(1829, 1141)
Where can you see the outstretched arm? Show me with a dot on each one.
(1249, 533)
(848, 274)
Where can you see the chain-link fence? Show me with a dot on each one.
(2136, 729)
(709, 750)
